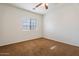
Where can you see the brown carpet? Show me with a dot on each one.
(39, 47)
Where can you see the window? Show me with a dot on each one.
(29, 24)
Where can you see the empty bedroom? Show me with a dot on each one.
(39, 29)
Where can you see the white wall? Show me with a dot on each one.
(11, 23)
(1, 17)
(61, 23)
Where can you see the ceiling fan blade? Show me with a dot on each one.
(46, 6)
(38, 5)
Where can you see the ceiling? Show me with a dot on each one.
(30, 6)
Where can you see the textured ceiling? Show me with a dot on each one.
(30, 6)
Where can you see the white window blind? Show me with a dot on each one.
(29, 24)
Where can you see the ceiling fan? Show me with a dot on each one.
(38, 5)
